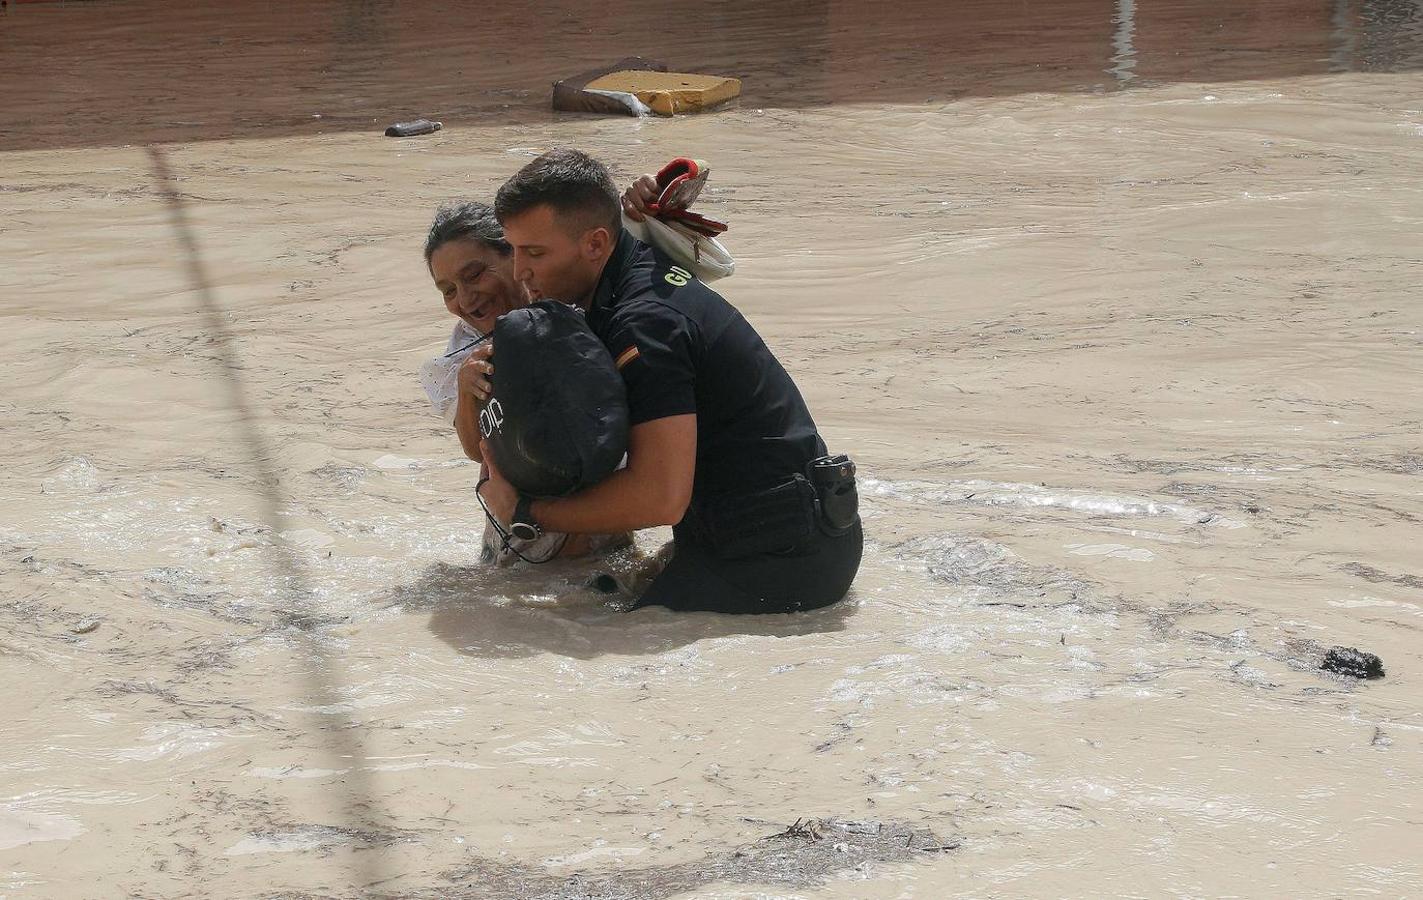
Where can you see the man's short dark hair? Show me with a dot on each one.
(574, 184)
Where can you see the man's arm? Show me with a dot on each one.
(654, 489)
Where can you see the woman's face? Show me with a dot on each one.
(477, 283)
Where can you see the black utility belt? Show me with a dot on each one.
(783, 518)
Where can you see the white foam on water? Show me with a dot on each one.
(39, 816)
(171, 740)
(77, 475)
(284, 772)
(1376, 602)
(20, 826)
(596, 852)
(15, 880)
(309, 538)
(280, 773)
(368, 701)
(993, 493)
(1115, 551)
(561, 762)
(391, 462)
(427, 764)
(438, 718)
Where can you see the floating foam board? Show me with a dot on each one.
(573, 94)
(668, 93)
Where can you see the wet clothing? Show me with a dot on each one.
(813, 575)
(682, 349)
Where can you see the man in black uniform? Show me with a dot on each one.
(722, 446)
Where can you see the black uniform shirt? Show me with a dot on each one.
(681, 349)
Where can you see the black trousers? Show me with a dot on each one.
(817, 574)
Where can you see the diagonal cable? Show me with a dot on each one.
(299, 611)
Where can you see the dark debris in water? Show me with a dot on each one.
(1378, 576)
(348, 478)
(1396, 464)
(805, 854)
(966, 561)
(1352, 663)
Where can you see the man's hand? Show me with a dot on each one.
(475, 372)
(638, 196)
(499, 495)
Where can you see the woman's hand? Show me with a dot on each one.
(475, 372)
(638, 196)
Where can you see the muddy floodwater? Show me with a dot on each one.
(1116, 304)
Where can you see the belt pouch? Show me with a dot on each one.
(833, 478)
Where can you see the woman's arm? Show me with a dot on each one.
(474, 389)
(467, 425)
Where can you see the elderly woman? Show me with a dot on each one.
(473, 269)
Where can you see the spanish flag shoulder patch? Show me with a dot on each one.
(626, 357)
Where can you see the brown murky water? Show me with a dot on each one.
(1115, 302)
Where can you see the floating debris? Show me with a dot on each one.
(809, 829)
(641, 87)
(1352, 663)
(807, 853)
(670, 93)
(573, 95)
(411, 129)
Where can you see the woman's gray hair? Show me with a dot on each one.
(467, 220)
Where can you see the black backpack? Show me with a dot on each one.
(557, 420)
